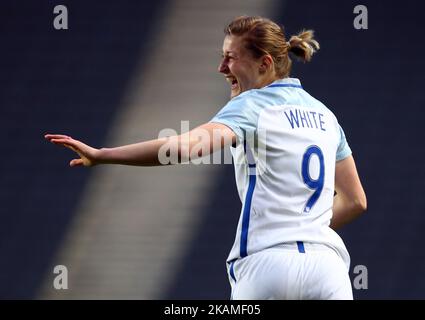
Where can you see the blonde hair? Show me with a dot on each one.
(262, 36)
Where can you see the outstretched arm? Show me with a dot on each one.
(196, 143)
(350, 200)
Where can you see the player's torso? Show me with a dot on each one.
(293, 153)
(294, 150)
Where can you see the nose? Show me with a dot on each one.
(223, 67)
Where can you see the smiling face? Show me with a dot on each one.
(242, 71)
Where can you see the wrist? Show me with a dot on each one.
(101, 155)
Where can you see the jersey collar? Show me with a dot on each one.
(286, 82)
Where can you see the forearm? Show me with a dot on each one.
(345, 211)
(191, 145)
(197, 143)
(137, 154)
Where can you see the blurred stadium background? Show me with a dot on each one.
(123, 71)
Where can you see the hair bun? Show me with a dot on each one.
(303, 45)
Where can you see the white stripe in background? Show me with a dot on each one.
(134, 225)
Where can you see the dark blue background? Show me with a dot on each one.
(72, 82)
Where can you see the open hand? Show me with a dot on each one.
(88, 155)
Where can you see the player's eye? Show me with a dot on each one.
(228, 57)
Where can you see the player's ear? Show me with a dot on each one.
(266, 63)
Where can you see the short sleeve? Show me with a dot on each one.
(343, 150)
(240, 115)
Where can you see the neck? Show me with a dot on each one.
(267, 80)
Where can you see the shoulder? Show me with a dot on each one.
(247, 104)
(258, 99)
(321, 106)
(245, 98)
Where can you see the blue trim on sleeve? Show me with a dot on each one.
(343, 150)
(343, 154)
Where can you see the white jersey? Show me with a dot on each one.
(288, 144)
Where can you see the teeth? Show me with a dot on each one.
(232, 81)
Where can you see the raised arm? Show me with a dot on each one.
(350, 200)
(196, 143)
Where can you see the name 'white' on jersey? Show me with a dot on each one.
(288, 144)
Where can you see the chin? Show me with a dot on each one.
(234, 93)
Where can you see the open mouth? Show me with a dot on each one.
(233, 82)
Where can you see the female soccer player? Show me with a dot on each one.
(290, 155)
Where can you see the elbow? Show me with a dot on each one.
(360, 205)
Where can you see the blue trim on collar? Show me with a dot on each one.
(284, 85)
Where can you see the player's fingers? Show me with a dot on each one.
(56, 136)
(69, 143)
(58, 141)
(76, 162)
(63, 141)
